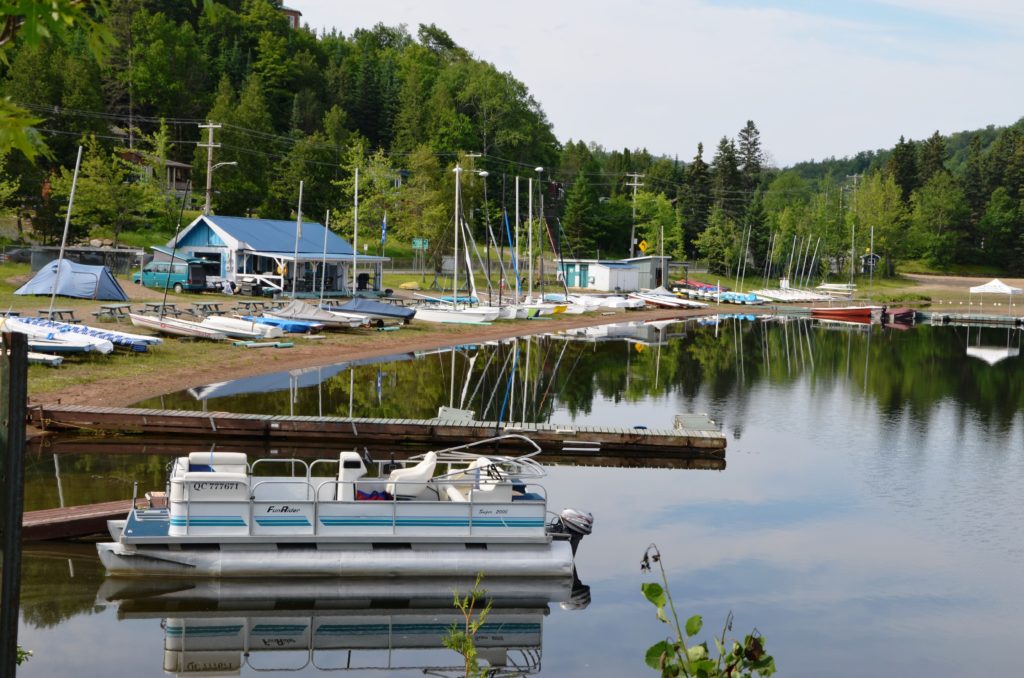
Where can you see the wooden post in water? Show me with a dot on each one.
(13, 392)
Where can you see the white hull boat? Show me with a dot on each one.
(176, 327)
(116, 337)
(53, 340)
(443, 314)
(445, 513)
(622, 302)
(665, 299)
(241, 329)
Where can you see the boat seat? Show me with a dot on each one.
(453, 493)
(350, 469)
(221, 462)
(411, 481)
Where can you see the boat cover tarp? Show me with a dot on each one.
(375, 308)
(995, 286)
(300, 310)
(75, 280)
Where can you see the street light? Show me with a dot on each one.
(209, 182)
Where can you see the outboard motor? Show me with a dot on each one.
(575, 524)
(579, 598)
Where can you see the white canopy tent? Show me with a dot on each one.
(995, 286)
(992, 354)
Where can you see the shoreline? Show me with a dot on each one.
(116, 391)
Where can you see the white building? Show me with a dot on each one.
(598, 275)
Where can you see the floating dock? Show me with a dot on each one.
(941, 318)
(681, 442)
(72, 521)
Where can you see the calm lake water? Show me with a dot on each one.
(869, 520)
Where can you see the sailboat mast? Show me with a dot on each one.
(323, 260)
(519, 290)
(298, 234)
(64, 238)
(455, 258)
(529, 239)
(355, 233)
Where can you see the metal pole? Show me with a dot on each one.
(519, 291)
(67, 224)
(13, 392)
(529, 241)
(323, 265)
(455, 258)
(355, 233)
(298, 235)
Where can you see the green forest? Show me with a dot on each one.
(133, 81)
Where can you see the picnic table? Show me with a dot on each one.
(161, 308)
(116, 312)
(205, 308)
(64, 315)
(250, 307)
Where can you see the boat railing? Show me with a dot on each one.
(291, 463)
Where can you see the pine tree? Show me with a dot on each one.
(902, 166)
(973, 181)
(751, 157)
(578, 221)
(933, 158)
(726, 181)
(695, 200)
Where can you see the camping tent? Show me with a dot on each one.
(995, 286)
(75, 280)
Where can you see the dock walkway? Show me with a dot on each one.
(213, 427)
(71, 521)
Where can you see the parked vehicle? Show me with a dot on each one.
(190, 275)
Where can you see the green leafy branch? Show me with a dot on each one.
(672, 657)
(462, 639)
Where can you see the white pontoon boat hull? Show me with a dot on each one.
(428, 560)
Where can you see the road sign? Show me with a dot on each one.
(420, 243)
(643, 246)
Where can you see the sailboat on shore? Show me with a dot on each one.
(458, 309)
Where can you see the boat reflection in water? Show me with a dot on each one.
(225, 626)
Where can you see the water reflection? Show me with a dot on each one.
(541, 378)
(870, 508)
(226, 626)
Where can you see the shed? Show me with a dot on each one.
(603, 276)
(262, 252)
(652, 270)
(74, 280)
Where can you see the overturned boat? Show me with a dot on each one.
(453, 512)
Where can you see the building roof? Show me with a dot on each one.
(268, 237)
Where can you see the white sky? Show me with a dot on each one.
(818, 77)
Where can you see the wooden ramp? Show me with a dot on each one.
(72, 521)
(214, 427)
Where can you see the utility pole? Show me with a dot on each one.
(632, 231)
(209, 146)
(853, 228)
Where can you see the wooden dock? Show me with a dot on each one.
(71, 521)
(217, 427)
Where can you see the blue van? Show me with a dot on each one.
(189, 275)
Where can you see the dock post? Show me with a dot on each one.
(13, 396)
